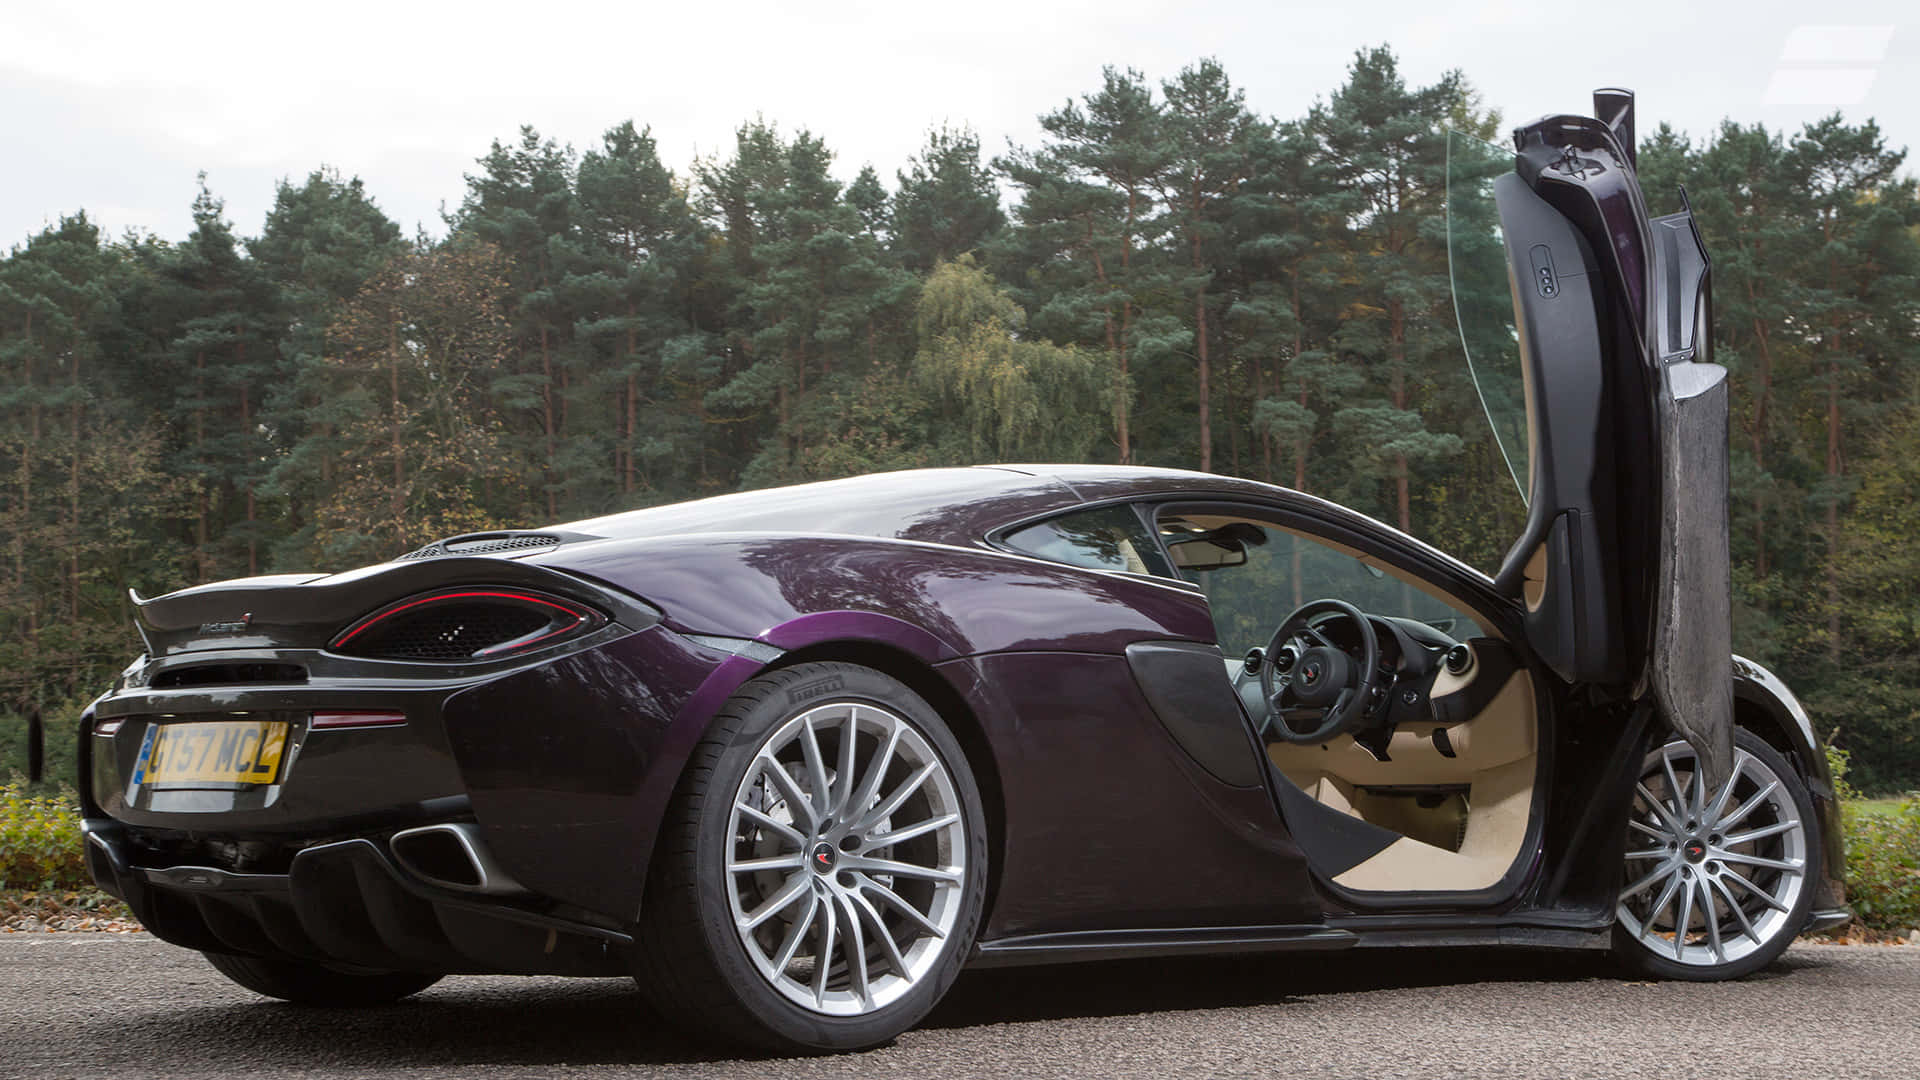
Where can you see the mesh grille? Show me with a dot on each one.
(481, 546)
(508, 543)
(454, 630)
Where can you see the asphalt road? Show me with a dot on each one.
(127, 1005)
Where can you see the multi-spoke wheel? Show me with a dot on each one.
(1715, 882)
(822, 877)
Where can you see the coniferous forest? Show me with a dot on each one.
(1169, 277)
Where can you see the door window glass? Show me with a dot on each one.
(1483, 294)
(1254, 574)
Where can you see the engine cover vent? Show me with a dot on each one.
(483, 544)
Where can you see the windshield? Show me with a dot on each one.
(1482, 294)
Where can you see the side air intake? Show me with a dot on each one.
(466, 625)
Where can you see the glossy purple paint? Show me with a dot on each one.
(970, 600)
(570, 765)
(941, 505)
(820, 627)
(1113, 826)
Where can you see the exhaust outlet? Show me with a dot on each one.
(451, 856)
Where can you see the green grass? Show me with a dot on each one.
(1879, 809)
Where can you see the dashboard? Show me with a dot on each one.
(1412, 655)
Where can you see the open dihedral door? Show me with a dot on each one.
(1623, 563)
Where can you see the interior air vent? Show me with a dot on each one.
(461, 625)
(483, 544)
(228, 675)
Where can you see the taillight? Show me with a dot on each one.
(355, 718)
(463, 625)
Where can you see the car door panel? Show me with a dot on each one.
(1623, 564)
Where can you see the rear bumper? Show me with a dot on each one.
(348, 903)
(564, 766)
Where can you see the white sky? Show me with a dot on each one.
(115, 107)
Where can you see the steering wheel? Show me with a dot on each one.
(1323, 691)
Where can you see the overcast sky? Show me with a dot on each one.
(115, 107)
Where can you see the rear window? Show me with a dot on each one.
(1108, 538)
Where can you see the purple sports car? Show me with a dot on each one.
(794, 758)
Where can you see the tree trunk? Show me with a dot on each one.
(1266, 441)
(1200, 340)
(199, 442)
(1116, 345)
(73, 498)
(397, 501)
(546, 402)
(1301, 445)
(1126, 323)
(1761, 394)
(246, 431)
(625, 457)
(26, 514)
(800, 401)
(1206, 378)
(26, 466)
(1835, 467)
(626, 477)
(1401, 489)
(566, 398)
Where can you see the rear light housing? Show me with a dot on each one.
(466, 625)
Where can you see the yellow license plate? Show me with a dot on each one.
(223, 752)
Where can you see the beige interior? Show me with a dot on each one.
(1466, 842)
(1495, 755)
(1533, 583)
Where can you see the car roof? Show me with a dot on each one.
(949, 505)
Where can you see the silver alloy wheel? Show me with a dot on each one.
(847, 860)
(1711, 878)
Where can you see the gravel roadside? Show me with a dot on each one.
(126, 1004)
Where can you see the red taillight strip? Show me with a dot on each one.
(391, 612)
(516, 646)
(354, 719)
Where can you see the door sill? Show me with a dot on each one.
(1089, 945)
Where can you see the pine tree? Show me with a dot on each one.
(947, 203)
(220, 362)
(78, 480)
(1383, 140)
(1857, 298)
(323, 241)
(1087, 252)
(1212, 137)
(633, 298)
(415, 355)
(522, 203)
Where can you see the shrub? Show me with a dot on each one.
(1883, 856)
(40, 842)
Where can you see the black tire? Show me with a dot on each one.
(314, 984)
(1651, 954)
(692, 962)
